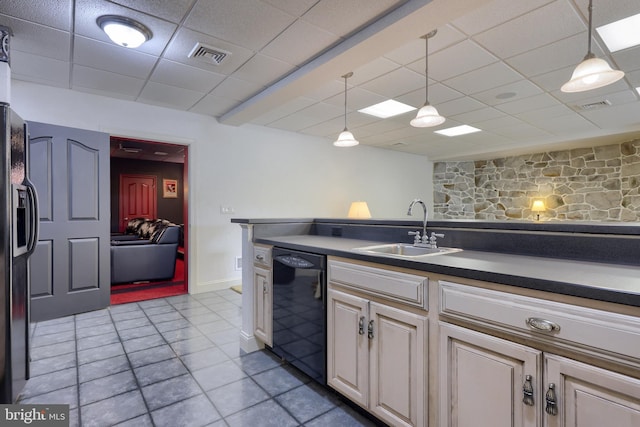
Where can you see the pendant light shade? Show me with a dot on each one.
(346, 138)
(427, 116)
(592, 72)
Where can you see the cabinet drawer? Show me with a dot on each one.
(394, 285)
(262, 255)
(559, 323)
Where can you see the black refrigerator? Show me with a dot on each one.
(19, 234)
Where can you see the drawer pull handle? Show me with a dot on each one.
(370, 330)
(264, 287)
(361, 326)
(527, 391)
(552, 401)
(542, 324)
(260, 257)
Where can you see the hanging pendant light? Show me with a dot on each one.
(346, 138)
(592, 72)
(427, 116)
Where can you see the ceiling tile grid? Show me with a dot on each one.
(496, 64)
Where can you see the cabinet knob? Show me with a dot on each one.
(361, 326)
(260, 257)
(370, 330)
(527, 391)
(552, 400)
(264, 287)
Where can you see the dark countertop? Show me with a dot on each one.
(599, 281)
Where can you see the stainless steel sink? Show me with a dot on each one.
(405, 250)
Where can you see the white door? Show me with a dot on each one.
(586, 396)
(348, 345)
(482, 379)
(398, 365)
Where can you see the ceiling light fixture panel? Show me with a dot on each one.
(386, 109)
(458, 130)
(621, 34)
(124, 31)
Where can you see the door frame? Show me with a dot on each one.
(185, 189)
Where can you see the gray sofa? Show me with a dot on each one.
(147, 253)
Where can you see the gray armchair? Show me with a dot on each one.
(149, 259)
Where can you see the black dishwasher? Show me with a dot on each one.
(299, 311)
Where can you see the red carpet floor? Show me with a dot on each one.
(133, 292)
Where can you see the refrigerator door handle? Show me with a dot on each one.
(34, 226)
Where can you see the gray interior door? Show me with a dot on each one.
(70, 268)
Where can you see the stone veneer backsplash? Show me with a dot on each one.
(584, 184)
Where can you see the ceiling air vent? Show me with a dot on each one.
(208, 54)
(594, 105)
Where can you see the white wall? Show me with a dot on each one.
(258, 171)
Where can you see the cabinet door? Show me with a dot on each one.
(482, 379)
(263, 304)
(587, 396)
(398, 365)
(347, 345)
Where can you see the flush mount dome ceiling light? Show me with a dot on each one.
(346, 138)
(592, 72)
(124, 31)
(427, 116)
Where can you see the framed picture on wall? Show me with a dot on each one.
(170, 188)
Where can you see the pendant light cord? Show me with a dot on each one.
(589, 53)
(426, 69)
(345, 102)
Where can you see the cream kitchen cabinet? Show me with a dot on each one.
(262, 294)
(376, 351)
(486, 380)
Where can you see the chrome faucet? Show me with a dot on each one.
(418, 240)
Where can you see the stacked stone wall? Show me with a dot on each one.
(586, 184)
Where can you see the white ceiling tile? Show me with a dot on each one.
(38, 39)
(499, 123)
(477, 116)
(615, 117)
(185, 40)
(495, 13)
(109, 57)
(117, 95)
(605, 13)
(485, 78)
(284, 110)
(171, 10)
(458, 59)
(232, 88)
(247, 23)
(169, 96)
(415, 49)
(263, 69)
(87, 11)
(56, 14)
(535, 102)
(395, 83)
(370, 71)
(105, 82)
(292, 7)
(39, 69)
(379, 126)
(341, 17)
(566, 125)
(299, 43)
(523, 133)
(543, 114)
(458, 106)
(213, 106)
(627, 60)
(542, 26)
(438, 94)
(521, 89)
(357, 98)
(180, 75)
(310, 116)
(328, 90)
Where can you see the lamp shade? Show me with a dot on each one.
(538, 206)
(591, 73)
(345, 139)
(427, 116)
(124, 31)
(359, 210)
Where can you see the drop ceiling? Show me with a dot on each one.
(495, 64)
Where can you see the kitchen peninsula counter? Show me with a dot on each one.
(602, 281)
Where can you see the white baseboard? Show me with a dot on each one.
(213, 286)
